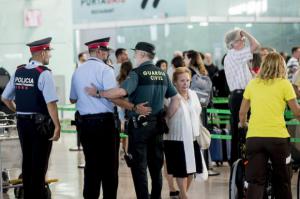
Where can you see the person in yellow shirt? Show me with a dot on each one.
(267, 136)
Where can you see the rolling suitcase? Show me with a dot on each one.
(220, 148)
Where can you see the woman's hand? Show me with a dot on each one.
(245, 106)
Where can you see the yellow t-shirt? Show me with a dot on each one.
(268, 102)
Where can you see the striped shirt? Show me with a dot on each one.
(296, 78)
(292, 66)
(236, 68)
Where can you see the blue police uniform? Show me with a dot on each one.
(32, 87)
(102, 76)
(98, 135)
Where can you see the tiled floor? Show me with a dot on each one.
(64, 166)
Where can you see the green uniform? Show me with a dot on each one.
(148, 83)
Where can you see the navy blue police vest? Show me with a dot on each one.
(28, 96)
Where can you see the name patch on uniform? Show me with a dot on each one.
(24, 82)
(155, 75)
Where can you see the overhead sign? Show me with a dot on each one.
(32, 18)
(111, 10)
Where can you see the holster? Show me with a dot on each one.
(126, 126)
(77, 120)
(44, 125)
(142, 121)
(139, 121)
(117, 120)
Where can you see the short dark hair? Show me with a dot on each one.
(80, 55)
(177, 62)
(294, 49)
(119, 51)
(185, 52)
(159, 62)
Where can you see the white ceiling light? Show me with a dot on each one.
(190, 26)
(249, 8)
(203, 24)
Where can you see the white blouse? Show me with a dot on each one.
(186, 120)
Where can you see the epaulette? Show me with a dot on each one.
(42, 68)
(21, 66)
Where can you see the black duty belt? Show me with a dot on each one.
(146, 117)
(237, 91)
(142, 120)
(107, 115)
(31, 116)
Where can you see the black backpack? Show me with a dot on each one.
(4, 79)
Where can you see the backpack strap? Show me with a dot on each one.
(193, 71)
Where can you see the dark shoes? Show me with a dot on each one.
(174, 194)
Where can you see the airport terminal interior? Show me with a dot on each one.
(164, 93)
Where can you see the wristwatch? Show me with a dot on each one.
(98, 93)
(134, 108)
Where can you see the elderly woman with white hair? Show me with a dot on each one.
(238, 75)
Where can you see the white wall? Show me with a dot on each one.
(56, 22)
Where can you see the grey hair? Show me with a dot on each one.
(147, 54)
(230, 36)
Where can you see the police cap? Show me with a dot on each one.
(99, 44)
(144, 46)
(43, 44)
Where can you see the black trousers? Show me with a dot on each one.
(100, 142)
(235, 101)
(259, 151)
(146, 148)
(36, 149)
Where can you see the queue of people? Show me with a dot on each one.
(156, 129)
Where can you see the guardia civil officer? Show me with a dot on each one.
(31, 93)
(145, 83)
(99, 138)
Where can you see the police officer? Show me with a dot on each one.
(32, 87)
(145, 83)
(99, 138)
